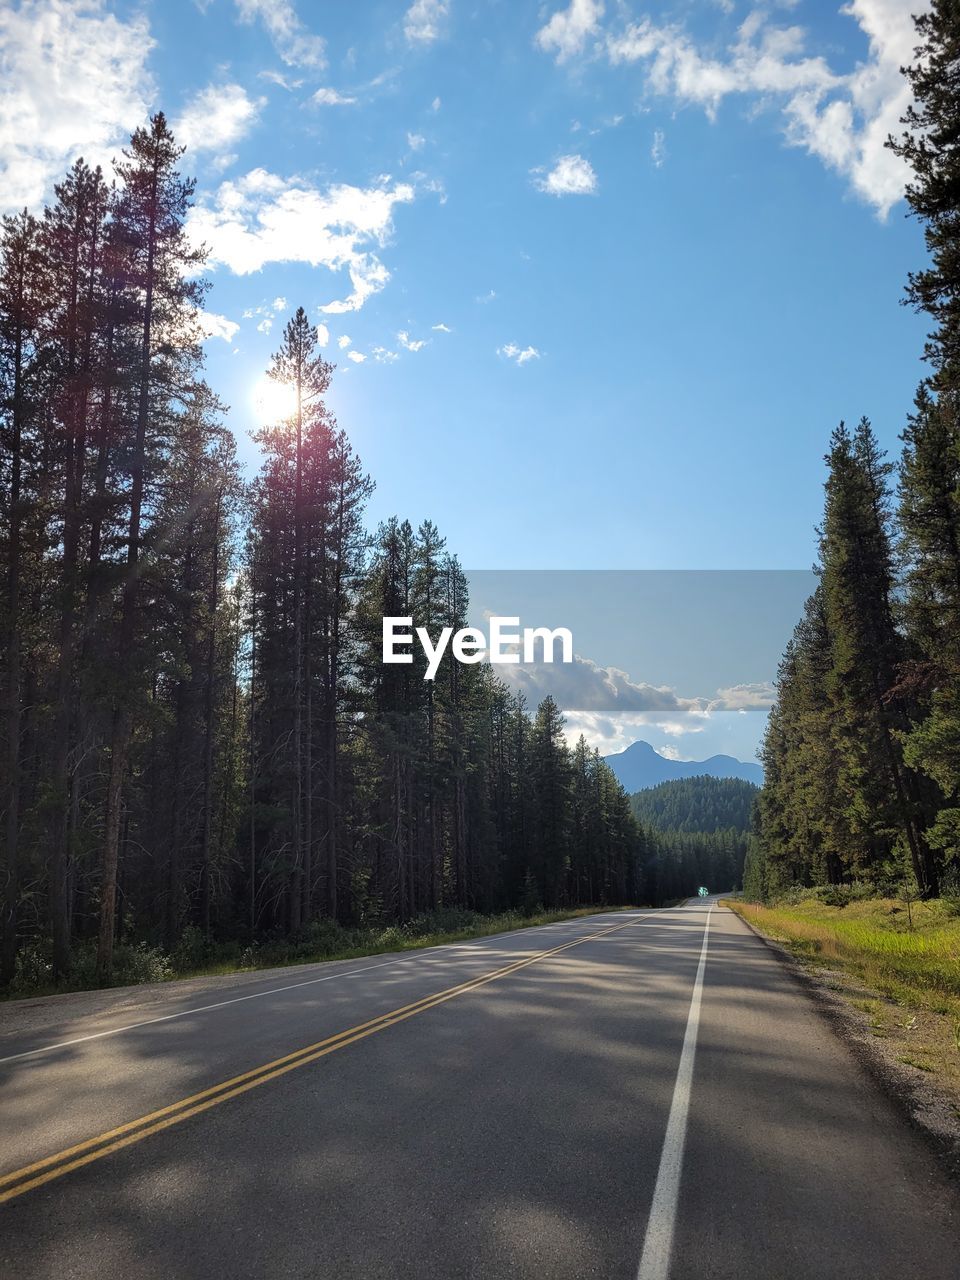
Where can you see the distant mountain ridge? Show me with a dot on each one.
(640, 766)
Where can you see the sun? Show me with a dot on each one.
(273, 401)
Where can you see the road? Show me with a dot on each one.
(641, 1095)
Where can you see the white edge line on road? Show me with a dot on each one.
(658, 1241)
(272, 991)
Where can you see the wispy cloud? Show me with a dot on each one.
(332, 98)
(841, 116)
(297, 46)
(410, 344)
(265, 313)
(519, 355)
(567, 31)
(658, 149)
(570, 176)
(441, 328)
(425, 21)
(261, 218)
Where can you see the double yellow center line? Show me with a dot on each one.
(55, 1166)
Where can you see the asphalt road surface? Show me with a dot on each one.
(641, 1095)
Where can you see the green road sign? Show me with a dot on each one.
(703, 891)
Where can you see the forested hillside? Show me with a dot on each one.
(696, 804)
(862, 754)
(697, 831)
(198, 730)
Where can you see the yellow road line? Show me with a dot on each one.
(55, 1166)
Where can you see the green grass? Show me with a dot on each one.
(911, 956)
(321, 942)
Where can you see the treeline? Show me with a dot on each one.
(197, 729)
(702, 803)
(683, 861)
(862, 754)
(697, 832)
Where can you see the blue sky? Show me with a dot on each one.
(609, 273)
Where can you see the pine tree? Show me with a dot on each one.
(881, 800)
(23, 292)
(150, 212)
(74, 231)
(551, 778)
(931, 147)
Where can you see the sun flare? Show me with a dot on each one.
(273, 401)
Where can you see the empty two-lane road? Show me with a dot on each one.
(637, 1094)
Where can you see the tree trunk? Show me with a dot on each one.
(8, 956)
(208, 717)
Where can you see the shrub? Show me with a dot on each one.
(192, 951)
(132, 964)
(34, 967)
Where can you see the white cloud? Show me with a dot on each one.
(268, 311)
(284, 82)
(424, 20)
(416, 141)
(435, 104)
(441, 328)
(344, 341)
(216, 117)
(745, 697)
(568, 29)
(658, 149)
(519, 355)
(484, 298)
(74, 82)
(841, 117)
(587, 690)
(411, 344)
(356, 356)
(216, 326)
(323, 334)
(584, 685)
(292, 41)
(383, 356)
(332, 98)
(570, 176)
(615, 733)
(261, 218)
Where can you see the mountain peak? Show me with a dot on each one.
(640, 766)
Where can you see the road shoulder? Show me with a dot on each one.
(880, 1033)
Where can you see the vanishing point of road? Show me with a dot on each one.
(648, 1095)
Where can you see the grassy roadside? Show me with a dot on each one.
(898, 963)
(323, 941)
